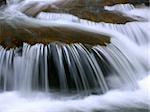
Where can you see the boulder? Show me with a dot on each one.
(13, 37)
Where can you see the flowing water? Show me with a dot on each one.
(61, 77)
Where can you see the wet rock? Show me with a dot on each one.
(2, 2)
(113, 2)
(102, 16)
(91, 10)
(136, 2)
(10, 37)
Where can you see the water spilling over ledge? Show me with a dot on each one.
(80, 66)
(65, 67)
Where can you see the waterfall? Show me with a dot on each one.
(76, 77)
(66, 67)
(75, 66)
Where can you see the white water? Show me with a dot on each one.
(113, 101)
(134, 45)
(139, 13)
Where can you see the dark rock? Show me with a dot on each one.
(2, 2)
(136, 2)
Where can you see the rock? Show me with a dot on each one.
(103, 3)
(10, 37)
(92, 10)
(136, 2)
(101, 16)
(2, 2)
(112, 2)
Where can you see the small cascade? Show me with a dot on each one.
(133, 30)
(76, 67)
(120, 7)
(67, 68)
(42, 77)
(57, 16)
(138, 13)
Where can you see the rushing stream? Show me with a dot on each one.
(61, 77)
